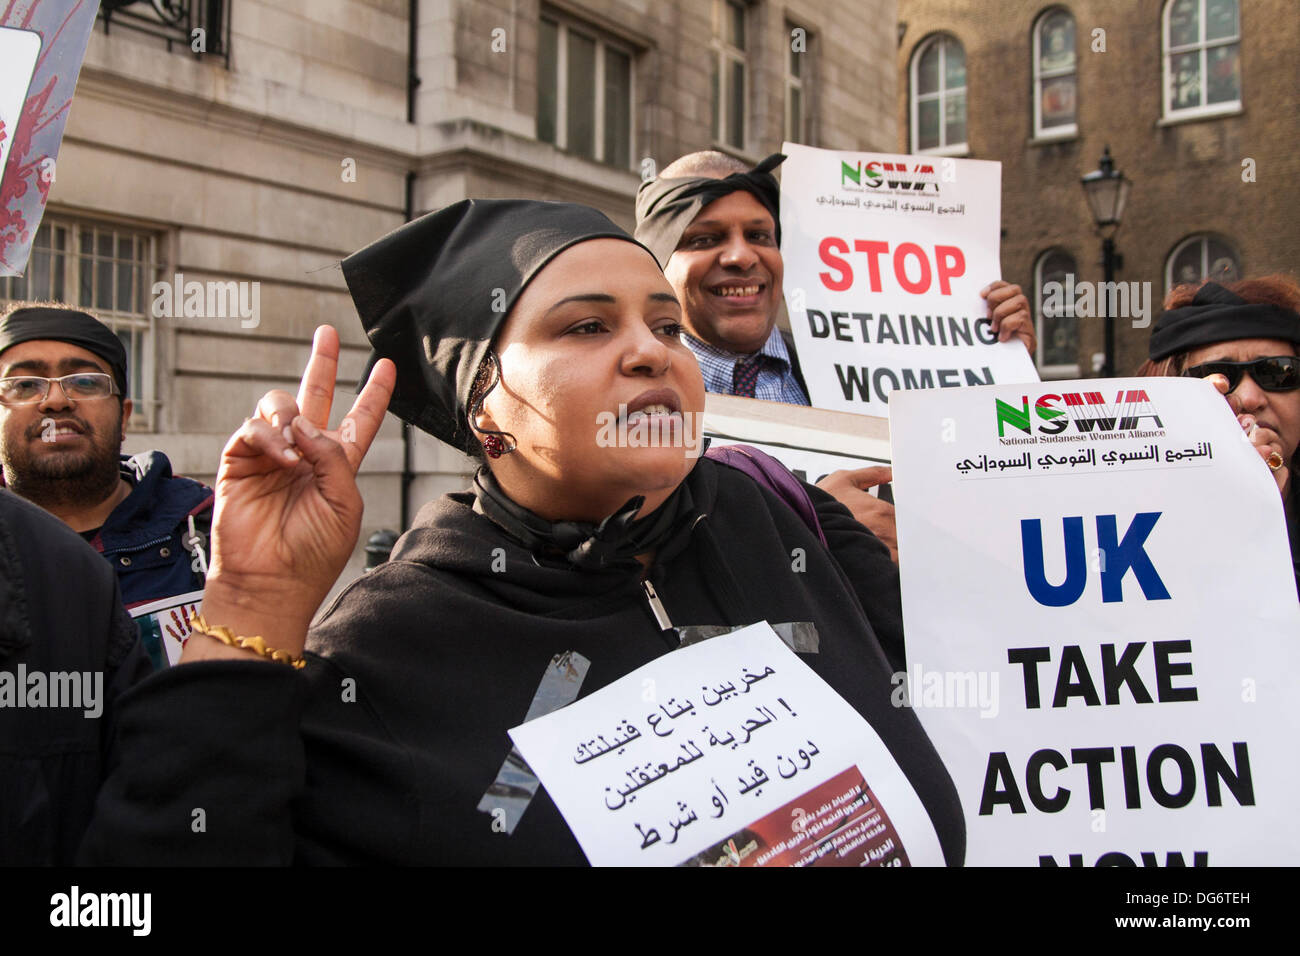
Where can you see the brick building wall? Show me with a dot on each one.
(1187, 175)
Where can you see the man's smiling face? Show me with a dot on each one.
(727, 273)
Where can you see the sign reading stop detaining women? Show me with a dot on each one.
(1109, 558)
(885, 257)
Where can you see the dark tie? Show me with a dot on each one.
(744, 375)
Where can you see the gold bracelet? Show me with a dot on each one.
(255, 644)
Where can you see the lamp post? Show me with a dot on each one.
(1107, 192)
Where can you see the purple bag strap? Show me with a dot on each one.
(773, 476)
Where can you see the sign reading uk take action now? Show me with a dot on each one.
(885, 257)
(1101, 622)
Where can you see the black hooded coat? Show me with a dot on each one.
(381, 750)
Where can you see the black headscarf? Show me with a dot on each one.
(665, 207)
(66, 325)
(1217, 315)
(433, 294)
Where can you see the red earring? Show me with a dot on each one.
(494, 446)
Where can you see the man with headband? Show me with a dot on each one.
(63, 415)
(715, 227)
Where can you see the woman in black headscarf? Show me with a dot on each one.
(1243, 338)
(521, 328)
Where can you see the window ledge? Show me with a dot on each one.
(736, 152)
(1050, 373)
(1201, 113)
(958, 151)
(1047, 139)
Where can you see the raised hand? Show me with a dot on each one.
(288, 511)
(1264, 439)
(850, 488)
(1009, 310)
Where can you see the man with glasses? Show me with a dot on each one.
(63, 416)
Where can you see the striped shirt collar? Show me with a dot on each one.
(776, 383)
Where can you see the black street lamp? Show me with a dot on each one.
(1107, 193)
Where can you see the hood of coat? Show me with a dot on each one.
(159, 501)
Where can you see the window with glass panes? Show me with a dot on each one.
(1054, 75)
(1202, 257)
(939, 97)
(584, 92)
(1058, 327)
(729, 73)
(796, 79)
(109, 272)
(1202, 62)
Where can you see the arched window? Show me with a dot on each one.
(1055, 83)
(939, 97)
(1202, 257)
(1058, 326)
(1202, 57)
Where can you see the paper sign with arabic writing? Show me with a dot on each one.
(730, 750)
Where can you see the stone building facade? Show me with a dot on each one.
(1197, 100)
(305, 129)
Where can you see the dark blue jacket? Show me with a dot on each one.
(143, 538)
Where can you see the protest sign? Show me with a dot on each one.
(166, 624)
(727, 752)
(811, 442)
(885, 257)
(1101, 622)
(42, 43)
(18, 52)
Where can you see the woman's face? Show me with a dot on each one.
(595, 337)
(1279, 411)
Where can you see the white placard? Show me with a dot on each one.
(811, 442)
(885, 257)
(18, 52)
(1101, 622)
(726, 752)
(42, 45)
(168, 622)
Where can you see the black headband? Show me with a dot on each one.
(1217, 315)
(433, 294)
(66, 325)
(665, 207)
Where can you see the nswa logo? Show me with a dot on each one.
(1087, 411)
(890, 175)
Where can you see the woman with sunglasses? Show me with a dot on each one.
(1242, 338)
(512, 329)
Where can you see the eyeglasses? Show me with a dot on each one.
(80, 386)
(1281, 373)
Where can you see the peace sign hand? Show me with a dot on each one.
(288, 511)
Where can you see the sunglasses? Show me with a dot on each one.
(1281, 373)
